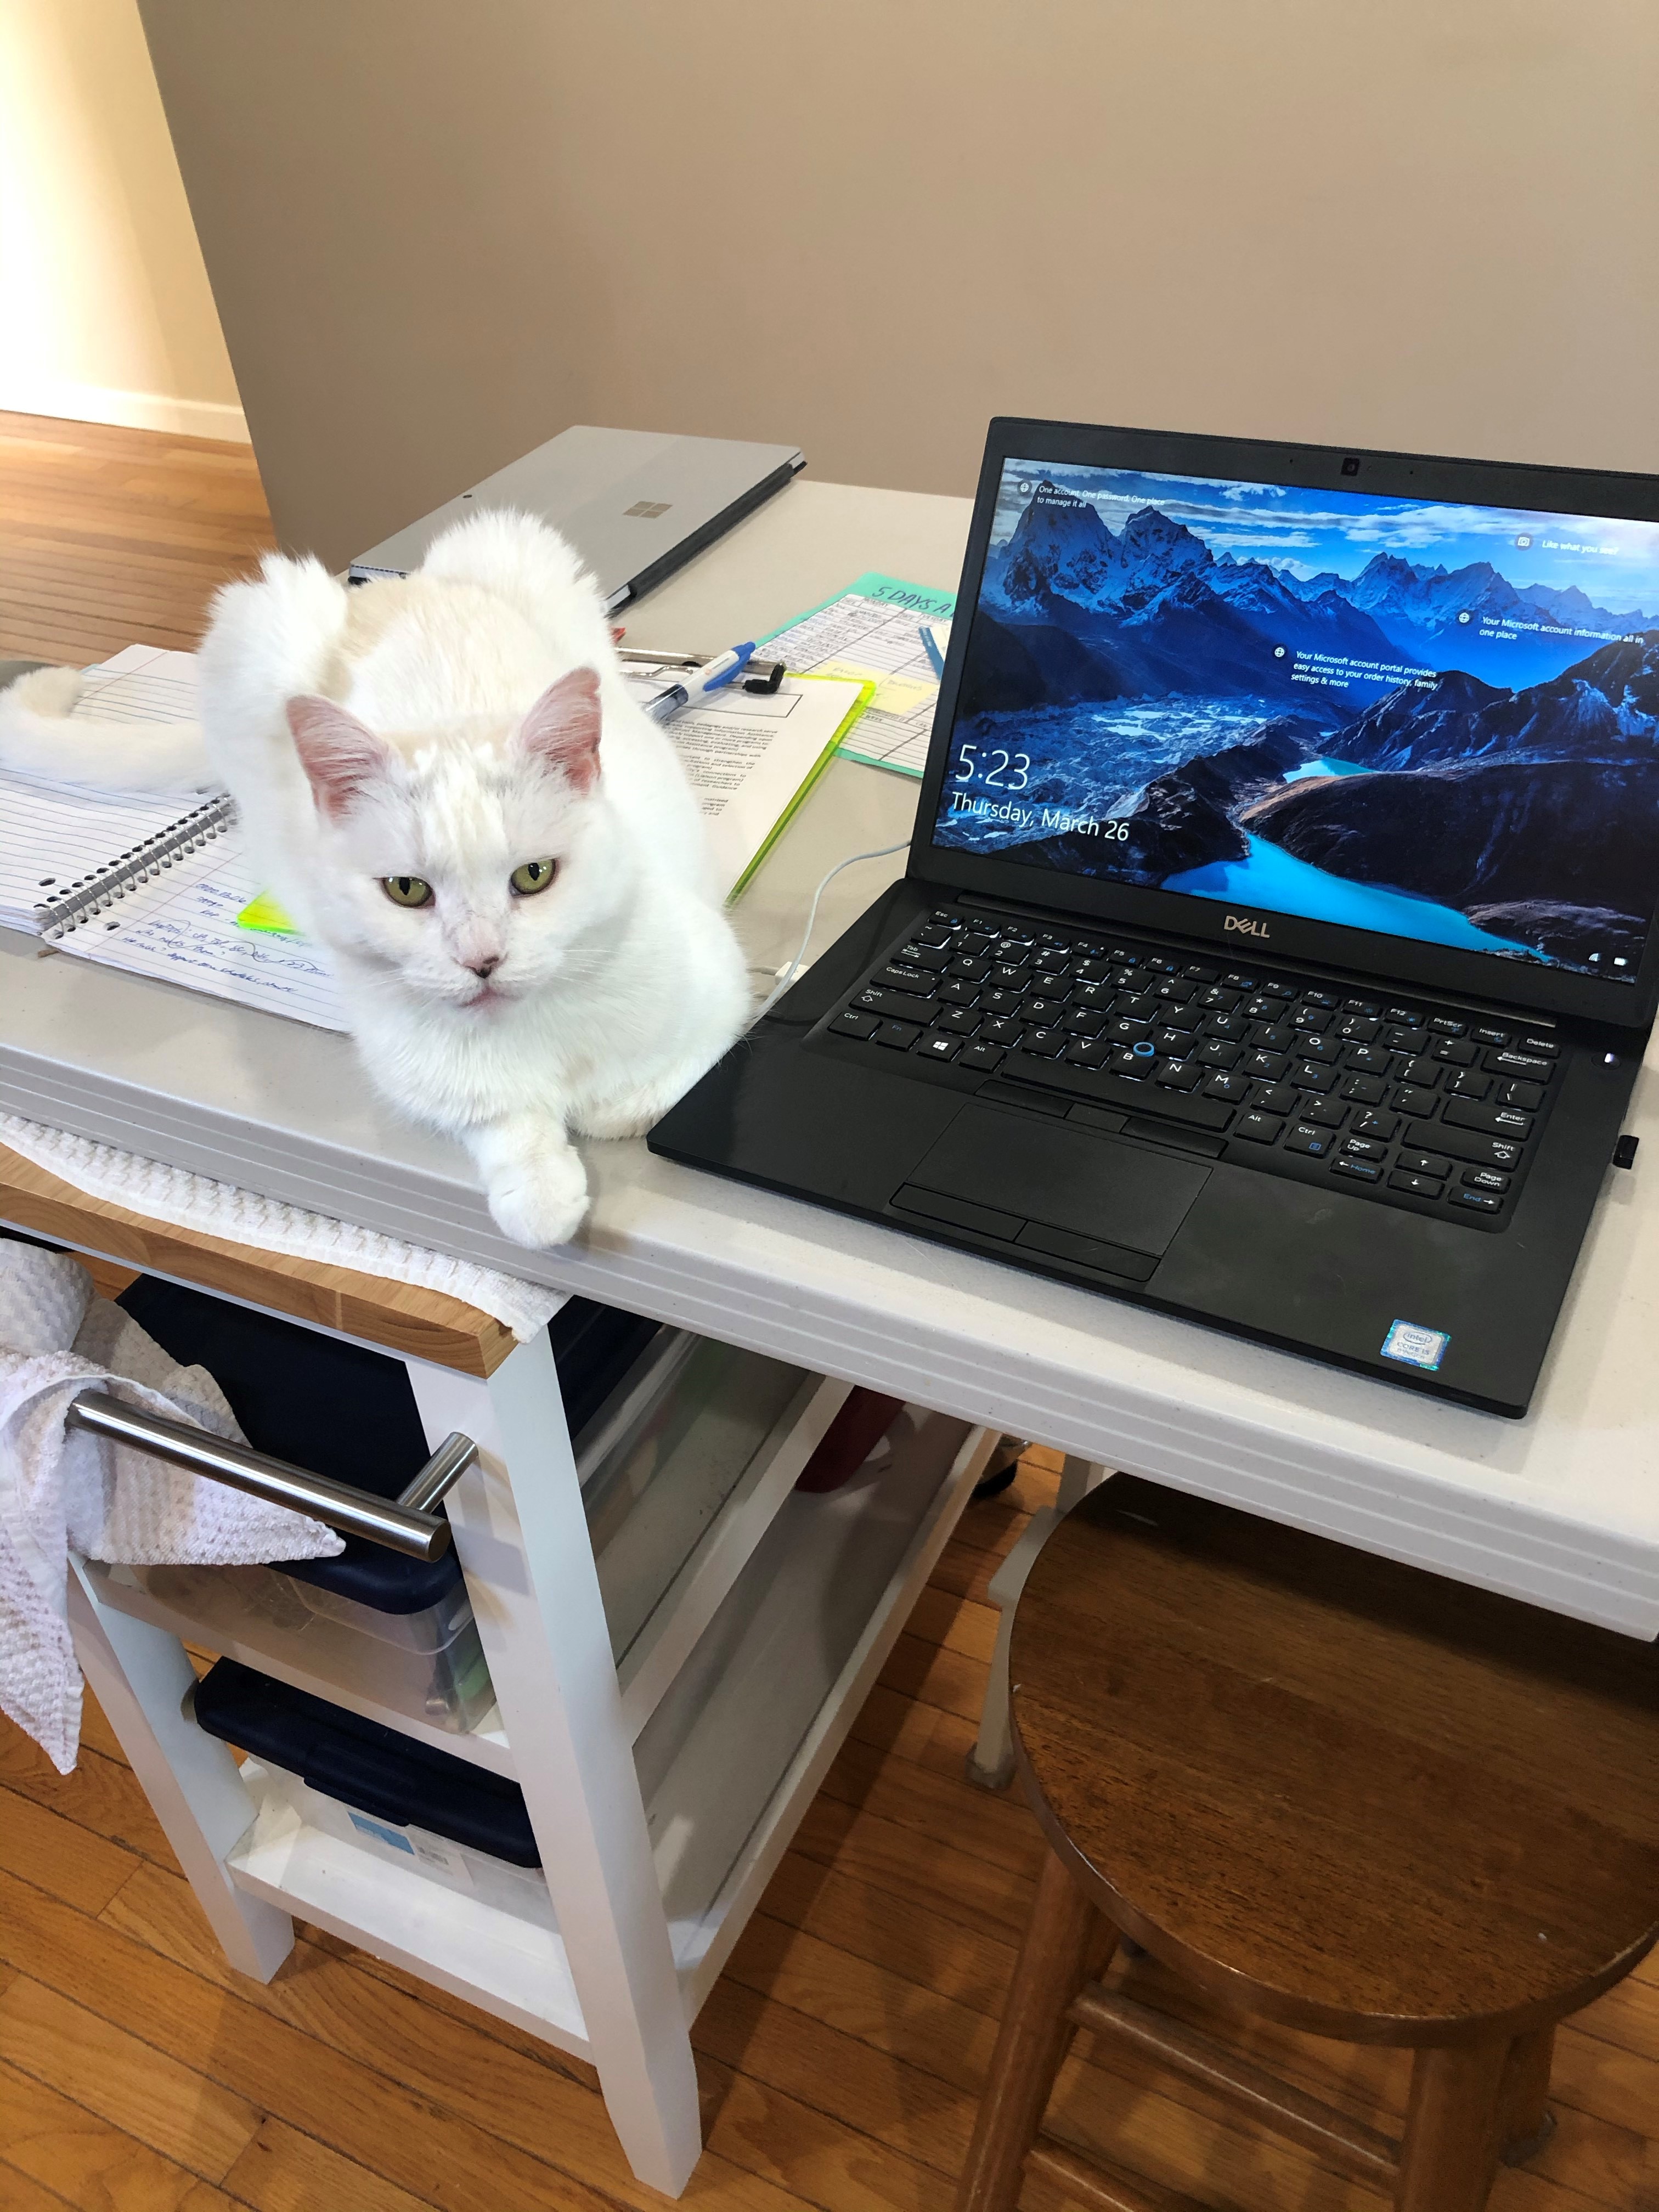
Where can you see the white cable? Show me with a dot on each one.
(795, 965)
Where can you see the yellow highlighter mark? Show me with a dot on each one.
(263, 913)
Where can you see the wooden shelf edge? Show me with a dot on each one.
(397, 1318)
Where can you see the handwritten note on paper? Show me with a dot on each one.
(872, 630)
(182, 929)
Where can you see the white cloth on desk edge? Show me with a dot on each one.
(64, 1488)
(242, 1217)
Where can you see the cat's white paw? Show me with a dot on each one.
(539, 1198)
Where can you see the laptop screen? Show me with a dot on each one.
(1439, 722)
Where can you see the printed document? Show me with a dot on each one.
(753, 757)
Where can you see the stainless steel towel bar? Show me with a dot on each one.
(406, 1524)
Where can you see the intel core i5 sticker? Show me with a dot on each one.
(1408, 1340)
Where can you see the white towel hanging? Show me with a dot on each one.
(61, 1488)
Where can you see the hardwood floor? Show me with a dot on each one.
(111, 538)
(841, 2053)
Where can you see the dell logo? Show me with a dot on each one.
(1241, 923)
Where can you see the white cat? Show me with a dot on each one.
(448, 784)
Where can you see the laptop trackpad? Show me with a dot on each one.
(1055, 1187)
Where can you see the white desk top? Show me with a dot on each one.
(1562, 1509)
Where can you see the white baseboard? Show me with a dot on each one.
(127, 411)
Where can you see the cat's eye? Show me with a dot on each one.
(533, 876)
(407, 890)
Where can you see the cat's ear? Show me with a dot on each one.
(339, 755)
(561, 730)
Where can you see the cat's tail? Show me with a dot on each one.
(38, 736)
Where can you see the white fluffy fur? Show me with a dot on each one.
(614, 989)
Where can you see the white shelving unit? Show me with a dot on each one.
(677, 1639)
(501, 1962)
(666, 1554)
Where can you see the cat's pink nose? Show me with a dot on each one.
(483, 969)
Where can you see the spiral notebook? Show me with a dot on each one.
(150, 883)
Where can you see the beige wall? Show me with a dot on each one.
(104, 310)
(438, 233)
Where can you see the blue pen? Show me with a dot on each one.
(697, 682)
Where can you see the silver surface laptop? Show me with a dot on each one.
(635, 504)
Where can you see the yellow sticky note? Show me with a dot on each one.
(263, 913)
(895, 695)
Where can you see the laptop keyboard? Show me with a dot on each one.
(1394, 1097)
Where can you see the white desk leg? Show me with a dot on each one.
(523, 1543)
(140, 1676)
(991, 1761)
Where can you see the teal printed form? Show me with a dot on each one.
(872, 630)
(921, 600)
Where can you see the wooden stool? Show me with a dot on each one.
(1330, 1791)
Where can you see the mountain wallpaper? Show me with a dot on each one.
(1381, 726)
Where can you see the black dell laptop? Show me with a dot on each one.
(1276, 946)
